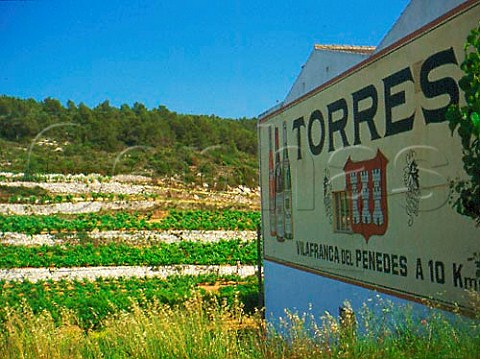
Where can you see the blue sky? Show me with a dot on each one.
(229, 58)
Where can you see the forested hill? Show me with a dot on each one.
(130, 139)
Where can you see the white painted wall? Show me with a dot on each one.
(417, 14)
(321, 66)
(298, 291)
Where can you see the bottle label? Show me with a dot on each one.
(288, 226)
(279, 215)
(288, 214)
(272, 199)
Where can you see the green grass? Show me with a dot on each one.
(198, 328)
(118, 254)
(92, 301)
(386, 332)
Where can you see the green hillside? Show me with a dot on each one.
(47, 137)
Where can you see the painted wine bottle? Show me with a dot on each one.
(271, 186)
(287, 188)
(279, 205)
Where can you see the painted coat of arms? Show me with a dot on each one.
(367, 192)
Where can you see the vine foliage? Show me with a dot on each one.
(466, 120)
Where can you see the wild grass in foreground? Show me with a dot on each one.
(92, 301)
(197, 329)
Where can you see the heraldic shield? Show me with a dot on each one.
(367, 194)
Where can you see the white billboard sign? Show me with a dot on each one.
(355, 175)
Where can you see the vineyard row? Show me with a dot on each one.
(174, 219)
(117, 254)
(92, 301)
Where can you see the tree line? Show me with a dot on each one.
(126, 139)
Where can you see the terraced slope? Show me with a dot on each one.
(97, 245)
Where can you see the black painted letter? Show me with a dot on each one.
(396, 99)
(299, 122)
(338, 125)
(316, 148)
(446, 85)
(366, 115)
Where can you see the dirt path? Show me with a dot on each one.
(91, 273)
(74, 208)
(136, 238)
